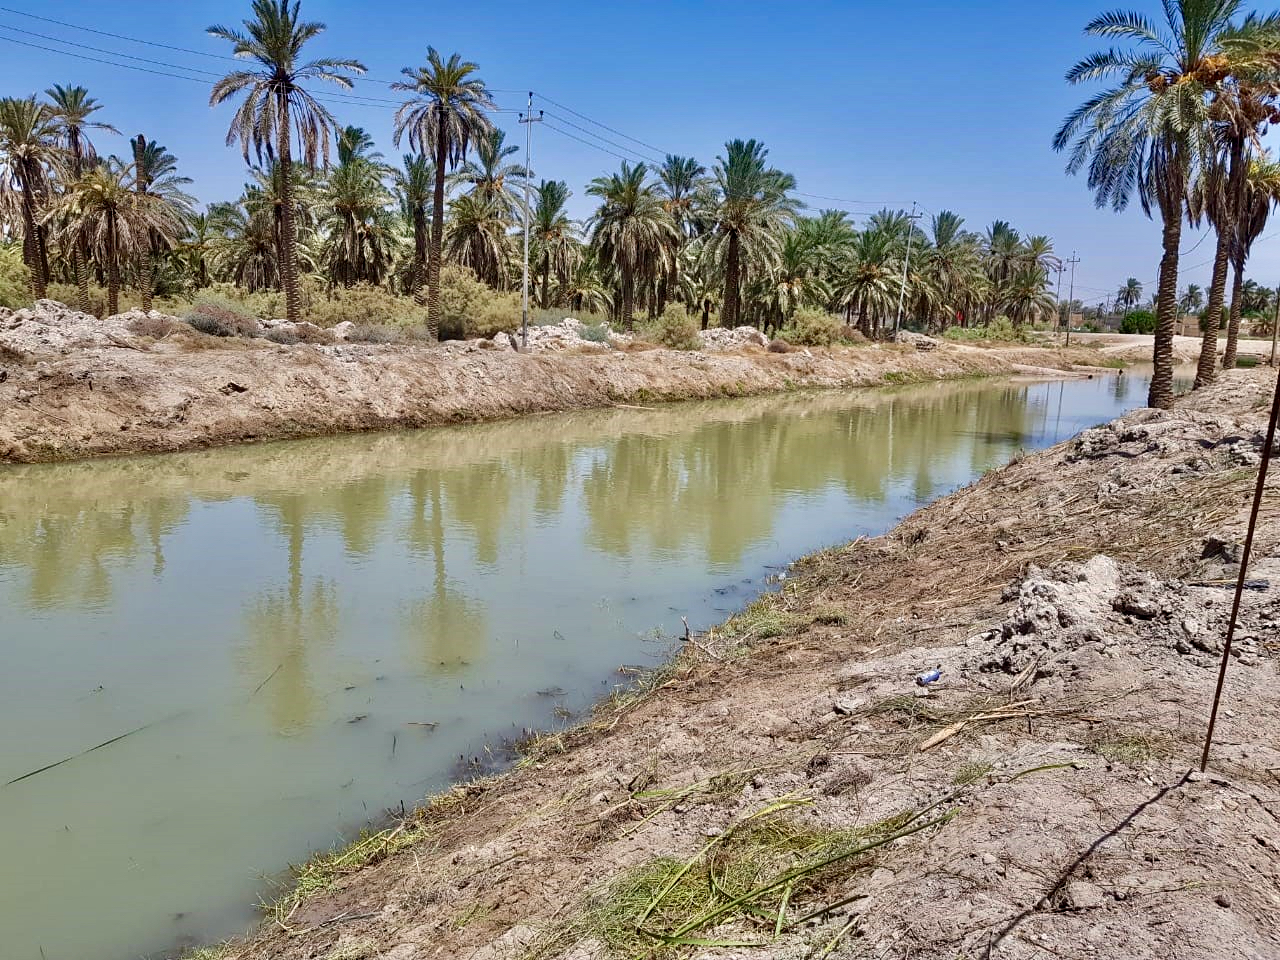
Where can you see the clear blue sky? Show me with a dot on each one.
(950, 104)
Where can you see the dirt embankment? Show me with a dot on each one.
(76, 387)
(788, 785)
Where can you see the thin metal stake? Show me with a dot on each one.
(1244, 567)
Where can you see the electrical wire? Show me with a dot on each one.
(178, 49)
(589, 133)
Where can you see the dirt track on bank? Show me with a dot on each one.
(1033, 802)
(137, 395)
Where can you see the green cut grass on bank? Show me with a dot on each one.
(767, 874)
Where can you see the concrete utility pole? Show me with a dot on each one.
(902, 290)
(1071, 293)
(1057, 294)
(528, 119)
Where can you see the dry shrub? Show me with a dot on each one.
(637, 346)
(157, 328)
(780, 346)
(375, 333)
(220, 317)
(851, 334)
(675, 328)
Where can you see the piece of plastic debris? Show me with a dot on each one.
(933, 676)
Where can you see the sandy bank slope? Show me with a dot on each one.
(131, 394)
(1073, 601)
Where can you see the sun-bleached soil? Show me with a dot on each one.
(72, 386)
(1034, 801)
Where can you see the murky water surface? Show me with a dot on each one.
(291, 638)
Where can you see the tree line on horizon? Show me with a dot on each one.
(323, 206)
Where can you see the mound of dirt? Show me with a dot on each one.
(719, 338)
(52, 328)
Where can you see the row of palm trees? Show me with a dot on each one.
(1180, 130)
(732, 239)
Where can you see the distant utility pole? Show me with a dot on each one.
(1275, 329)
(902, 290)
(1057, 294)
(1071, 293)
(528, 119)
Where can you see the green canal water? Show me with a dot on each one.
(270, 629)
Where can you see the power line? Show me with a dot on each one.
(574, 136)
(590, 133)
(170, 46)
(603, 126)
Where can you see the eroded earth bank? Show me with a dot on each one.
(787, 789)
(73, 386)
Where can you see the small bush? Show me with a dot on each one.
(15, 278)
(217, 315)
(470, 309)
(283, 335)
(812, 328)
(375, 333)
(999, 329)
(675, 328)
(157, 328)
(1138, 321)
(595, 332)
(780, 346)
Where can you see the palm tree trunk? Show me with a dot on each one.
(546, 279)
(33, 241)
(80, 267)
(419, 276)
(437, 241)
(706, 312)
(1160, 393)
(1207, 368)
(288, 229)
(113, 267)
(628, 303)
(147, 278)
(732, 269)
(1237, 307)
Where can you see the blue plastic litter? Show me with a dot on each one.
(933, 676)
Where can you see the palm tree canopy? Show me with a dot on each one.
(274, 39)
(71, 109)
(450, 107)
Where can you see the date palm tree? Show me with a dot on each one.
(1130, 294)
(446, 115)
(751, 207)
(869, 278)
(477, 237)
(104, 211)
(1025, 298)
(29, 142)
(1262, 194)
(72, 110)
(631, 229)
(492, 176)
(413, 185)
(1192, 298)
(554, 234)
(1149, 133)
(155, 173)
(358, 228)
(276, 107)
(953, 266)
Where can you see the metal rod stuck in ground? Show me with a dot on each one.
(1244, 568)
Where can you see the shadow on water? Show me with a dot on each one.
(324, 626)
